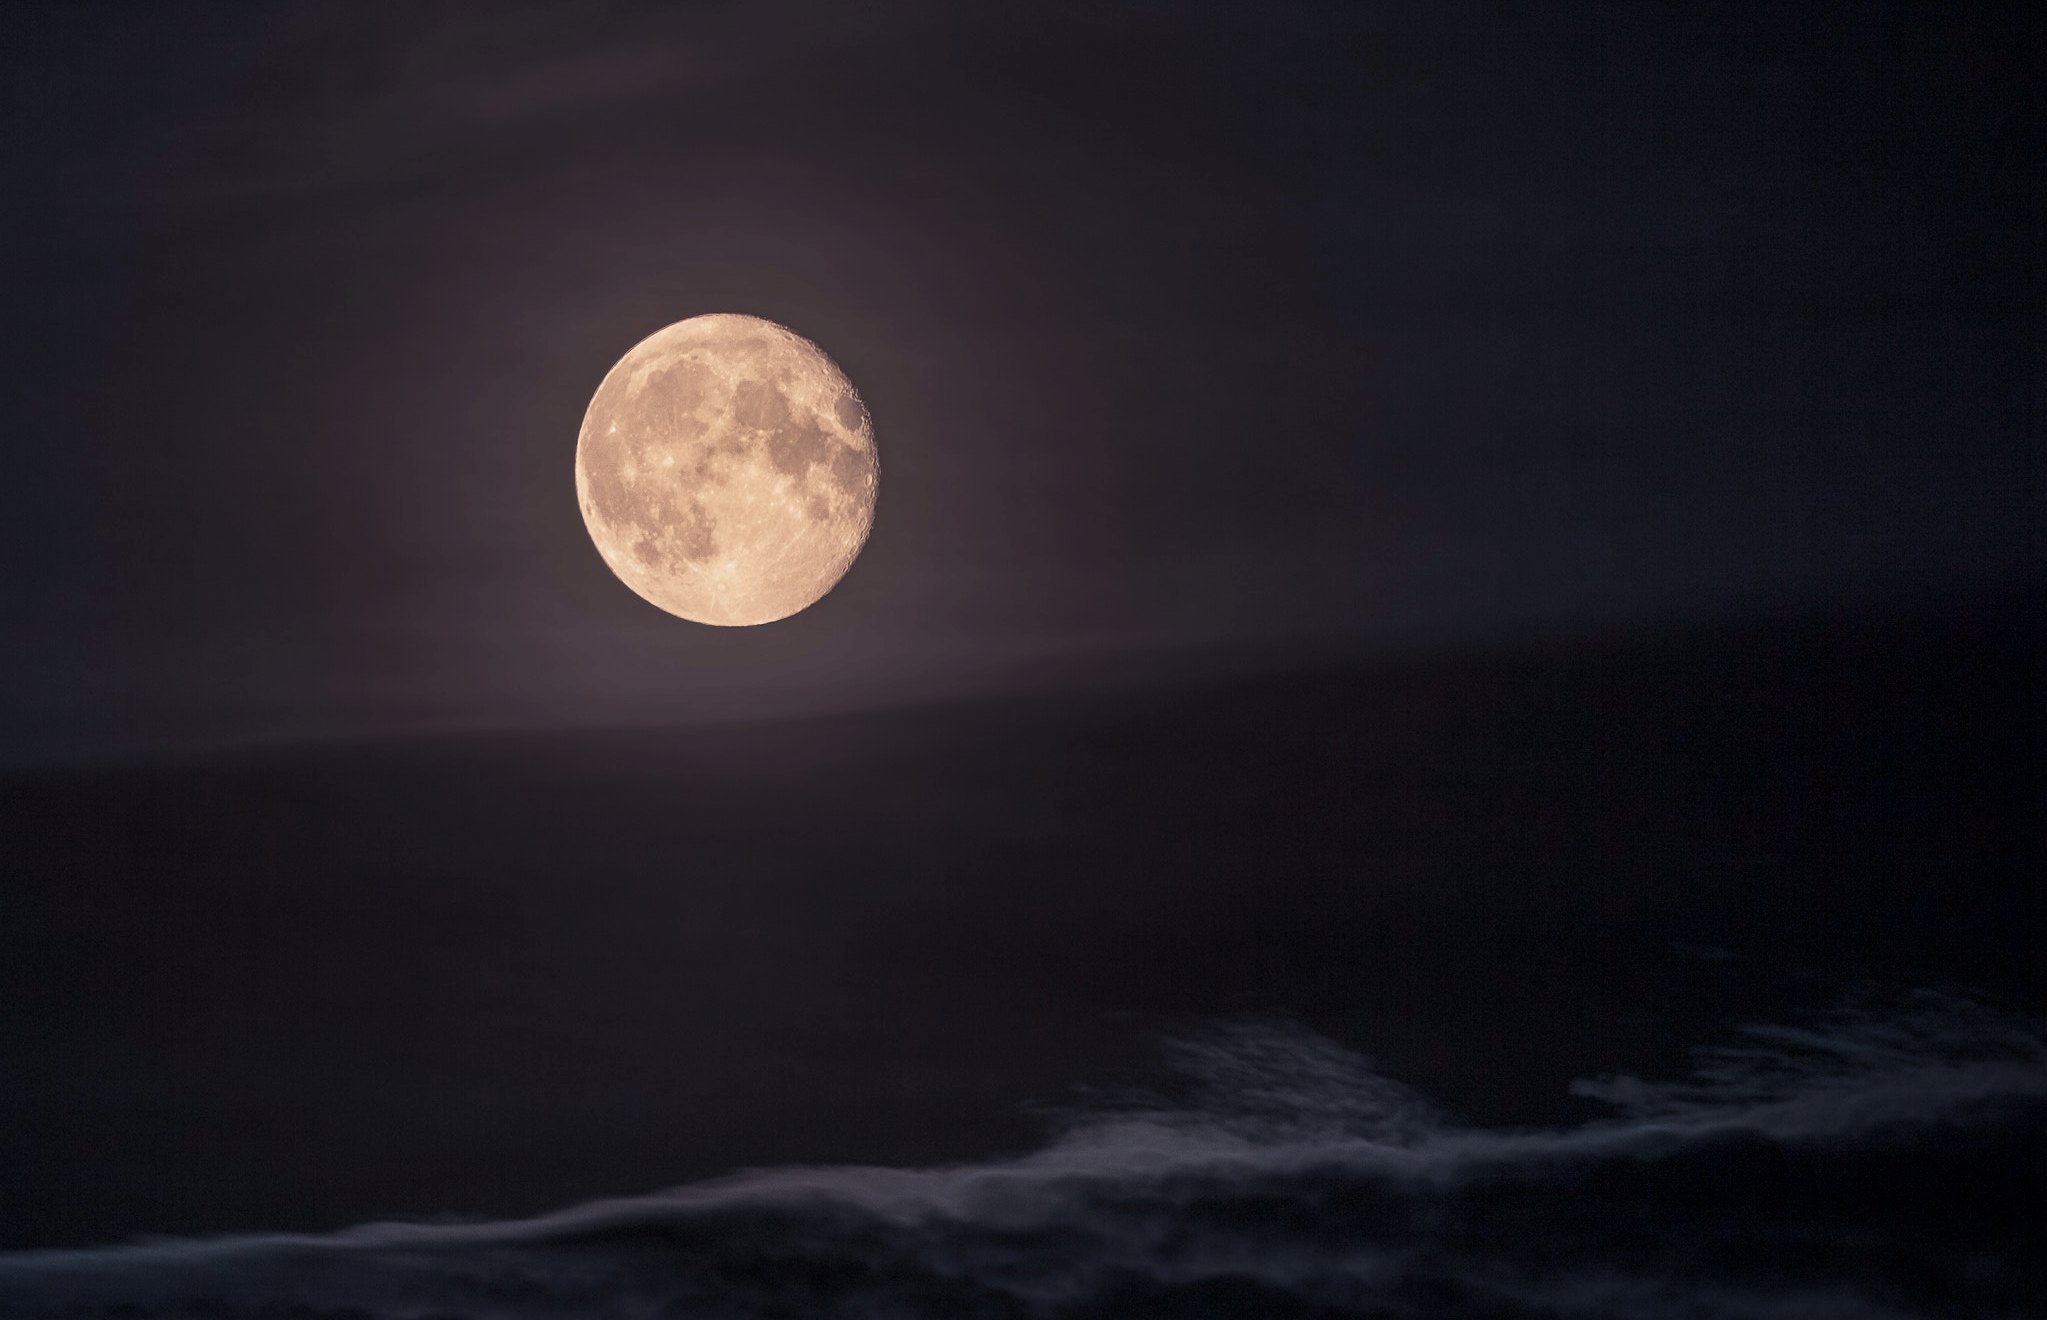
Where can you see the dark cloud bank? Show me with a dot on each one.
(1862, 1166)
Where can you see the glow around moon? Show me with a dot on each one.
(726, 470)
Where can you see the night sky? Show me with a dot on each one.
(1184, 326)
(1490, 545)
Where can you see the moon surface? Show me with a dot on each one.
(726, 470)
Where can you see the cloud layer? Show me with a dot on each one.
(1861, 1166)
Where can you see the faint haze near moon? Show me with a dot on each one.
(726, 470)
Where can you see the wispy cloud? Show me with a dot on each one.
(1796, 1174)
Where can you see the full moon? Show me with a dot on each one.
(726, 470)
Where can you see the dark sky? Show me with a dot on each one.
(1254, 326)
(1493, 546)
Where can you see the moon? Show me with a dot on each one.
(726, 470)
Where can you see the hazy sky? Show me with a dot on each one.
(1182, 325)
